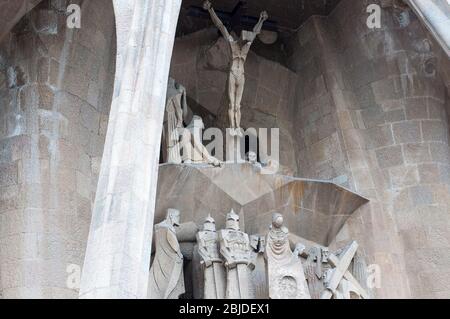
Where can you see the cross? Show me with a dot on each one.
(236, 20)
(340, 271)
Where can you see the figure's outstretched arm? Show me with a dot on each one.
(216, 20)
(262, 18)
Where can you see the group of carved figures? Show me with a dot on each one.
(182, 144)
(178, 139)
(234, 265)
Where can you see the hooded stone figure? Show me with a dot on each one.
(166, 279)
(212, 265)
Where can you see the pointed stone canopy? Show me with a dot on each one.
(315, 210)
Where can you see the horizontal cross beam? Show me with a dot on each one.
(229, 19)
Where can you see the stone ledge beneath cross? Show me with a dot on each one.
(313, 209)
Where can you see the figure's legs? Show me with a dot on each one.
(239, 92)
(232, 97)
(186, 146)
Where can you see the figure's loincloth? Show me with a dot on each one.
(238, 77)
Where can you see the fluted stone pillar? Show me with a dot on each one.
(119, 245)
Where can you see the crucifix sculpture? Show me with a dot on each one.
(239, 50)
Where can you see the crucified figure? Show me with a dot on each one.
(239, 50)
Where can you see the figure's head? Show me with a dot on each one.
(299, 249)
(325, 254)
(247, 36)
(252, 157)
(277, 220)
(262, 243)
(197, 122)
(173, 216)
(209, 224)
(254, 241)
(171, 83)
(178, 86)
(314, 253)
(232, 221)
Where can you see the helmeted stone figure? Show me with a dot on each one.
(236, 251)
(166, 279)
(213, 269)
(284, 270)
(239, 50)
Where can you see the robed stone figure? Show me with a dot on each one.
(236, 251)
(284, 269)
(166, 279)
(175, 112)
(212, 265)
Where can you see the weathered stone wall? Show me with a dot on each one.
(366, 108)
(200, 62)
(11, 11)
(55, 93)
(389, 117)
(319, 145)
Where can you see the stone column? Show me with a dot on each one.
(119, 245)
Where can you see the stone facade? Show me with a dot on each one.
(398, 107)
(55, 93)
(365, 110)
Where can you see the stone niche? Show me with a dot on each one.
(200, 63)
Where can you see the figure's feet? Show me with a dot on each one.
(238, 132)
(214, 161)
(232, 131)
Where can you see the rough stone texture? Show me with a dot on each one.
(119, 245)
(289, 14)
(11, 11)
(49, 140)
(389, 120)
(367, 109)
(312, 209)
